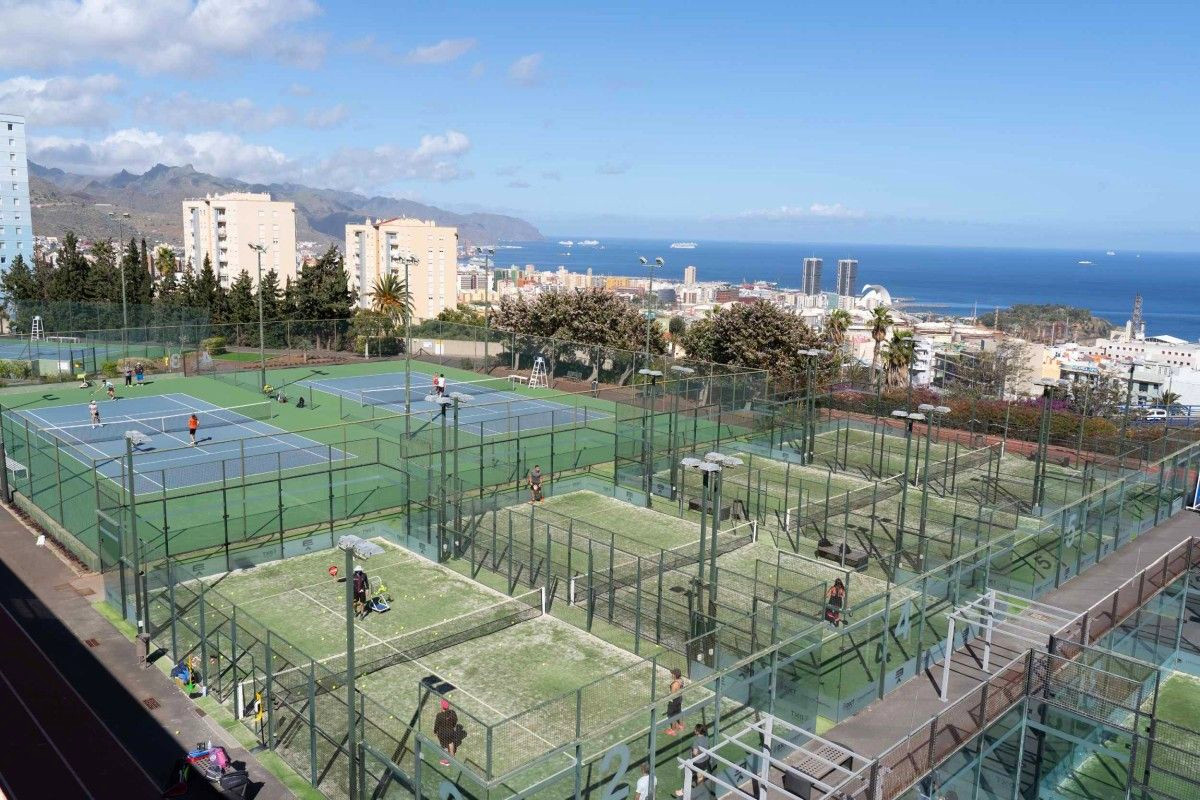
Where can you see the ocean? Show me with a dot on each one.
(950, 280)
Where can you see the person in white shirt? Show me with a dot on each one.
(644, 790)
(94, 411)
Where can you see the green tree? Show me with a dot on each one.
(461, 315)
(391, 298)
(164, 263)
(898, 358)
(562, 320)
(139, 286)
(757, 335)
(21, 290)
(676, 327)
(881, 321)
(205, 291)
(242, 310)
(836, 325)
(70, 277)
(273, 308)
(322, 292)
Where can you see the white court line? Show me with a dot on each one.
(47, 424)
(407, 559)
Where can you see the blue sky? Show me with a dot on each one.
(1021, 124)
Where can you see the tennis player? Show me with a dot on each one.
(702, 763)
(835, 602)
(535, 484)
(445, 728)
(94, 410)
(193, 424)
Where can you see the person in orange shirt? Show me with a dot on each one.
(193, 424)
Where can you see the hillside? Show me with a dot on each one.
(92, 206)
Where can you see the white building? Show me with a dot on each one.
(375, 248)
(223, 228)
(16, 225)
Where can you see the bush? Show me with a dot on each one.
(214, 345)
(19, 370)
(110, 369)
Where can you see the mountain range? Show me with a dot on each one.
(95, 207)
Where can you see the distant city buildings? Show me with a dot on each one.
(689, 276)
(16, 225)
(376, 248)
(223, 228)
(847, 276)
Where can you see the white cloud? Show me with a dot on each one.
(60, 101)
(478, 70)
(164, 35)
(614, 168)
(784, 213)
(444, 51)
(326, 117)
(527, 70)
(374, 169)
(137, 150)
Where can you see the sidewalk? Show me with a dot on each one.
(144, 710)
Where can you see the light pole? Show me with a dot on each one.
(1128, 408)
(442, 402)
(1043, 444)
(723, 462)
(706, 469)
(259, 249)
(353, 546)
(933, 413)
(684, 372)
(487, 252)
(909, 418)
(648, 450)
(810, 411)
(124, 308)
(651, 265)
(408, 261)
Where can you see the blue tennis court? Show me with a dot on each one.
(230, 442)
(494, 407)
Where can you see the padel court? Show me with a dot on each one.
(165, 461)
(496, 406)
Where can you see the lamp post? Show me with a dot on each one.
(651, 265)
(442, 402)
(705, 468)
(933, 414)
(684, 372)
(810, 411)
(648, 448)
(121, 263)
(259, 249)
(487, 253)
(1128, 408)
(353, 546)
(909, 418)
(408, 261)
(723, 462)
(1043, 444)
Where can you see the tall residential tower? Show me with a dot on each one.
(16, 227)
(812, 276)
(375, 248)
(223, 227)
(847, 276)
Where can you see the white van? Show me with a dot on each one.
(1156, 415)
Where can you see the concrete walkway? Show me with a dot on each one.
(140, 707)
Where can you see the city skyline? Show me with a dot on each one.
(932, 126)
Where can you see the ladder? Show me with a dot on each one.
(37, 331)
(538, 378)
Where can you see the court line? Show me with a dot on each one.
(407, 559)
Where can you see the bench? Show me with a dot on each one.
(822, 761)
(694, 504)
(855, 559)
(15, 467)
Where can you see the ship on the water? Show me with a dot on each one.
(683, 245)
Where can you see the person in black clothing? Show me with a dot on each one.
(702, 763)
(445, 728)
(675, 704)
(362, 585)
(835, 603)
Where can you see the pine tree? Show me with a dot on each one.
(273, 309)
(20, 286)
(242, 309)
(139, 286)
(322, 293)
(71, 275)
(205, 291)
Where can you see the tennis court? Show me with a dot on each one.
(492, 656)
(495, 406)
(165, 461)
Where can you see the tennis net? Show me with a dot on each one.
(112, 430)
(413, 645)
(851, 500)
(422, 385)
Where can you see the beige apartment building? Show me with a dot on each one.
(374, 248)
(223, 227)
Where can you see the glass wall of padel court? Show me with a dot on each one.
(592, 739)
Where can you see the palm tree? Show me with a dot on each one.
(390, 297)
(881, 320)
(1168, 399)
(901, 350)
(836, 325)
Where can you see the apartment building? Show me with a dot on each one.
(16, 227)
(375, 247)
(223, 228)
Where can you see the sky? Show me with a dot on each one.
(1023, 124)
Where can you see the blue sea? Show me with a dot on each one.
(950, 280)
